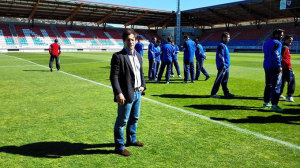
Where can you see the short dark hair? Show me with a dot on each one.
(277, 31)
(55, 40)
(154, 38)
(170, 39)
(158, 42)
(127, 32)
(286, 37)
(224, 34)
(186, 37)
(196, 41)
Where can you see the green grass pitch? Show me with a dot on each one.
(59, 120)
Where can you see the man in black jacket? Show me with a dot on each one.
(128, 83)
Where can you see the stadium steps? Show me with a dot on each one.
(207, 37)
(14, 34)
(53, 28)
(235, 35)
(260, 43)
(119, 32)
(93, 35)
(111, 39)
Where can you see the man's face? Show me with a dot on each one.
(154, 39)
(226, 38)
(130, 42)
(279, 36)
(289, 41)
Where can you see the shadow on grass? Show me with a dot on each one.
(221, 107)
(181, 96)
(35, 70)
(294, 105)
(263, 120)
(205, 96)
(233, 107)
(57, 149)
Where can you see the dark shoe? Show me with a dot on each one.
(123, 152)
(215, 96)
(140, 144)
(229, 95)
(207, 77)
(51, 69)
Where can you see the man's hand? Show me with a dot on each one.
(279, 69)
(141, 89)
(121, 99)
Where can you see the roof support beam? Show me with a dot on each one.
(136, 19)
(107, 16)
(31, 16)
(159, 21)
(74, 13)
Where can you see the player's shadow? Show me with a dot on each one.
(221, 107)
(206, 96)
(181, 96)
(57, 149)
(263, 120)
(292, 111)
(36, 70)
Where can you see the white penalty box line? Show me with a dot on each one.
(181, 110)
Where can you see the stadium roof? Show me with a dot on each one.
(86, 11)
(235, 12)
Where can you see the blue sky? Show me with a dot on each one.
(167, 4)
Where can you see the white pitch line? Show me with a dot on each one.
(182, 110)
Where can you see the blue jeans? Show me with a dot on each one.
(200, 68)
(127, 114)
(189, 68)
(161, 71)
(222, 78)
(273, 84)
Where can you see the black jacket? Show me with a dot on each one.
(122, 75)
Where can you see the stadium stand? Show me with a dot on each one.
(6, 37)
(76, 37)
(13, 35)
(249, 37)
(38, 36)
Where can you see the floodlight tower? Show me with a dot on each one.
(178, 24)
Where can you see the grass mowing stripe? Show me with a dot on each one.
(179, 109)
(14, 66)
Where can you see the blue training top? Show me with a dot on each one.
(176, 51)
(272, 54)
(222, 56)
(139, 47)
(157, 53)
(199, 52)
(151, 51)
(167, 53)
(189, 50)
